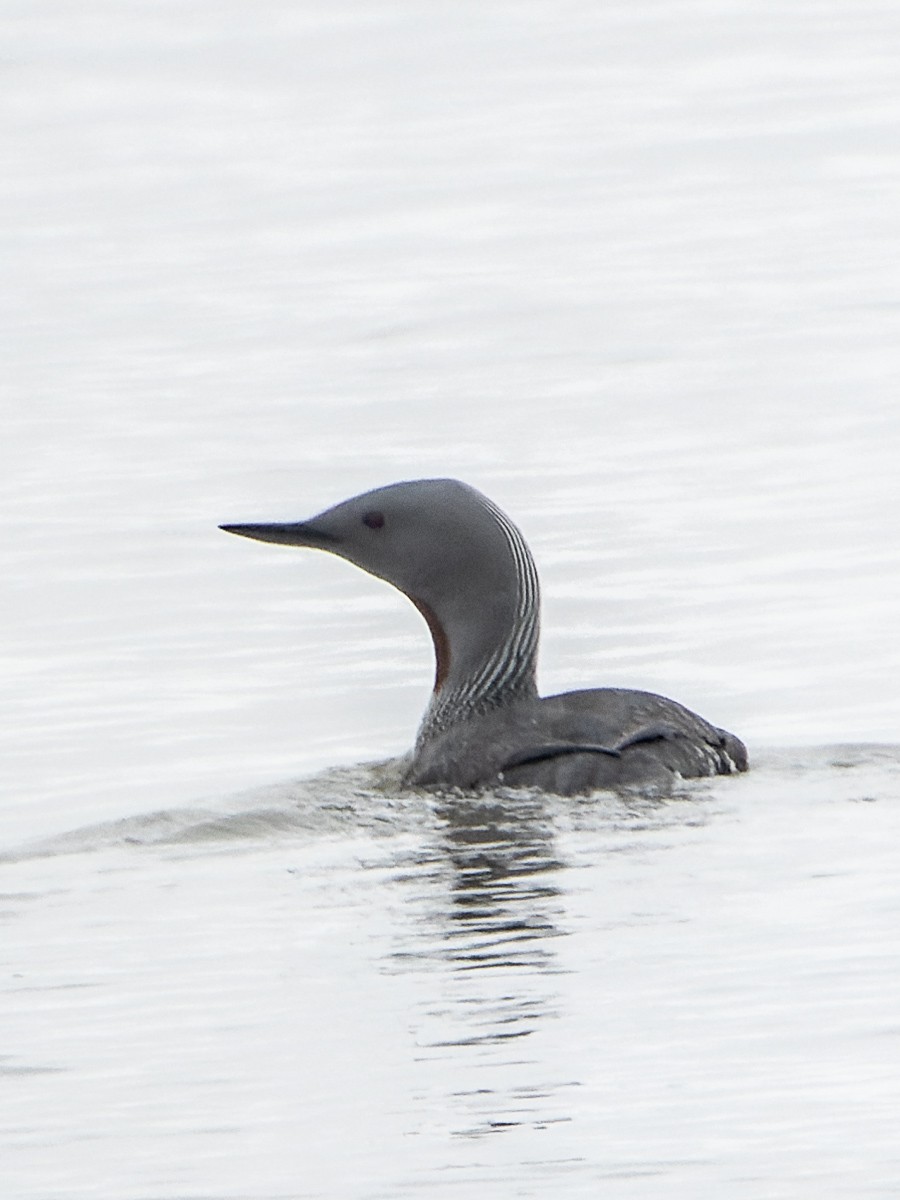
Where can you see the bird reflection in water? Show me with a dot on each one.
(485, 936)
(504, 902)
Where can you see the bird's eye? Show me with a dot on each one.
(374, 520)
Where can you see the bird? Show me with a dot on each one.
(468, 570)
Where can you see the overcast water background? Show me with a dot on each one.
(631, 269)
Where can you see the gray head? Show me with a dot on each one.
(462, 563)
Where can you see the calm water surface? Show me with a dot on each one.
(330, 990)
(631, 270)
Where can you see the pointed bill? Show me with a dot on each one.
(294, 533)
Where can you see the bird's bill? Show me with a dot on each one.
(293, 533)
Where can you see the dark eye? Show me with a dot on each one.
(374, 520)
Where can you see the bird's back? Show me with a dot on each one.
(577, 742)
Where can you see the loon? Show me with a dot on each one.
(467, 569)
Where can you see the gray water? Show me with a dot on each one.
(631, 270)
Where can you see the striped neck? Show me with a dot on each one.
(499, 664)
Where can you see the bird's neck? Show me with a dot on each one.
(485, 649)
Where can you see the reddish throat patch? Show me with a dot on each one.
(441, 643)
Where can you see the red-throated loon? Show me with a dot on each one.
(467, 569)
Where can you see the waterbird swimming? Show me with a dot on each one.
(467, 569)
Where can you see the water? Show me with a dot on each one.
(631, 270)
(332, 991)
